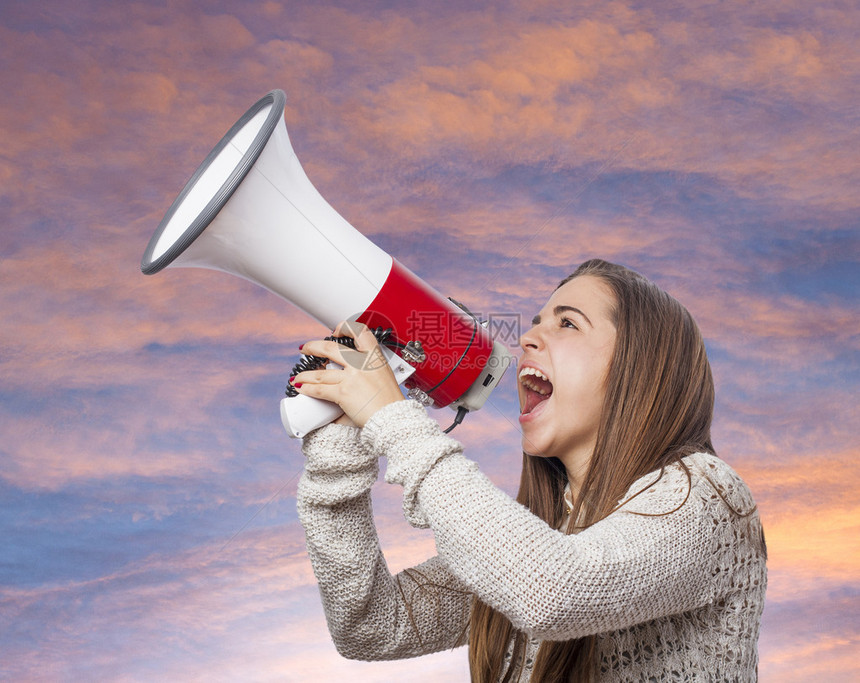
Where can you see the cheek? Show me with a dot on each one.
(584, 384)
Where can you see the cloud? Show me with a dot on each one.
(206, 591)
(684, 98)
(711, 146)
(811, 635)
(249, 608)
(804, 557)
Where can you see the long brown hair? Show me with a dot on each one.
(658, 408)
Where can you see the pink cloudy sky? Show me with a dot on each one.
(147, 509)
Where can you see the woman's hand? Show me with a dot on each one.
(366, 382)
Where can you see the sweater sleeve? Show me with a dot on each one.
(662, 553)
(371, 614)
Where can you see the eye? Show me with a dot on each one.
(567, 322)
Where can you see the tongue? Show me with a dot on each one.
(533, 399)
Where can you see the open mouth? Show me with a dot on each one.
(537, 388)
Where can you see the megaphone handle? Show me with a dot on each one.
(301, 414)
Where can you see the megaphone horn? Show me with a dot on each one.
(250, 207)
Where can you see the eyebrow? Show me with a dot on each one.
(558, 310)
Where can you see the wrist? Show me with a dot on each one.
(335, 447)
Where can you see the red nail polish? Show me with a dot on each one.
(297, 385)
(301, 346)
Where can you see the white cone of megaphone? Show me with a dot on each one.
(251, 211)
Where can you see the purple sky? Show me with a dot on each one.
(147, 509)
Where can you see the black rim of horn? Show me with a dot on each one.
(277, 99)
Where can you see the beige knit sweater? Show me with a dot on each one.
(672, 597)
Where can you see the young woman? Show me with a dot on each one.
(632, 553)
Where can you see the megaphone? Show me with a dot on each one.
(250, 210)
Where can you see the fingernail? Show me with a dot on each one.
(301, 346)
(298, 385)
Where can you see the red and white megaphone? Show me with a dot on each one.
(249, 209)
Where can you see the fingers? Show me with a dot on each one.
(330, 350)
(366, 343)
(341, 355)
(364, 338)
(326, 376)
(363, 381)
(367, 354)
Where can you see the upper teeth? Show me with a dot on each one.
(528, 371)
(533, 371)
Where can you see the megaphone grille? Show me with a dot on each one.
(214, 182)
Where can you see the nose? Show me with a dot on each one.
(530, 339)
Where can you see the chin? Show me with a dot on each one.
(533, 450)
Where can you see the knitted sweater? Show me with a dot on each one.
(671, 597)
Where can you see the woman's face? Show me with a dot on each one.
(563, 370)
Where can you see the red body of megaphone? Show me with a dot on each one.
(250, 209)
